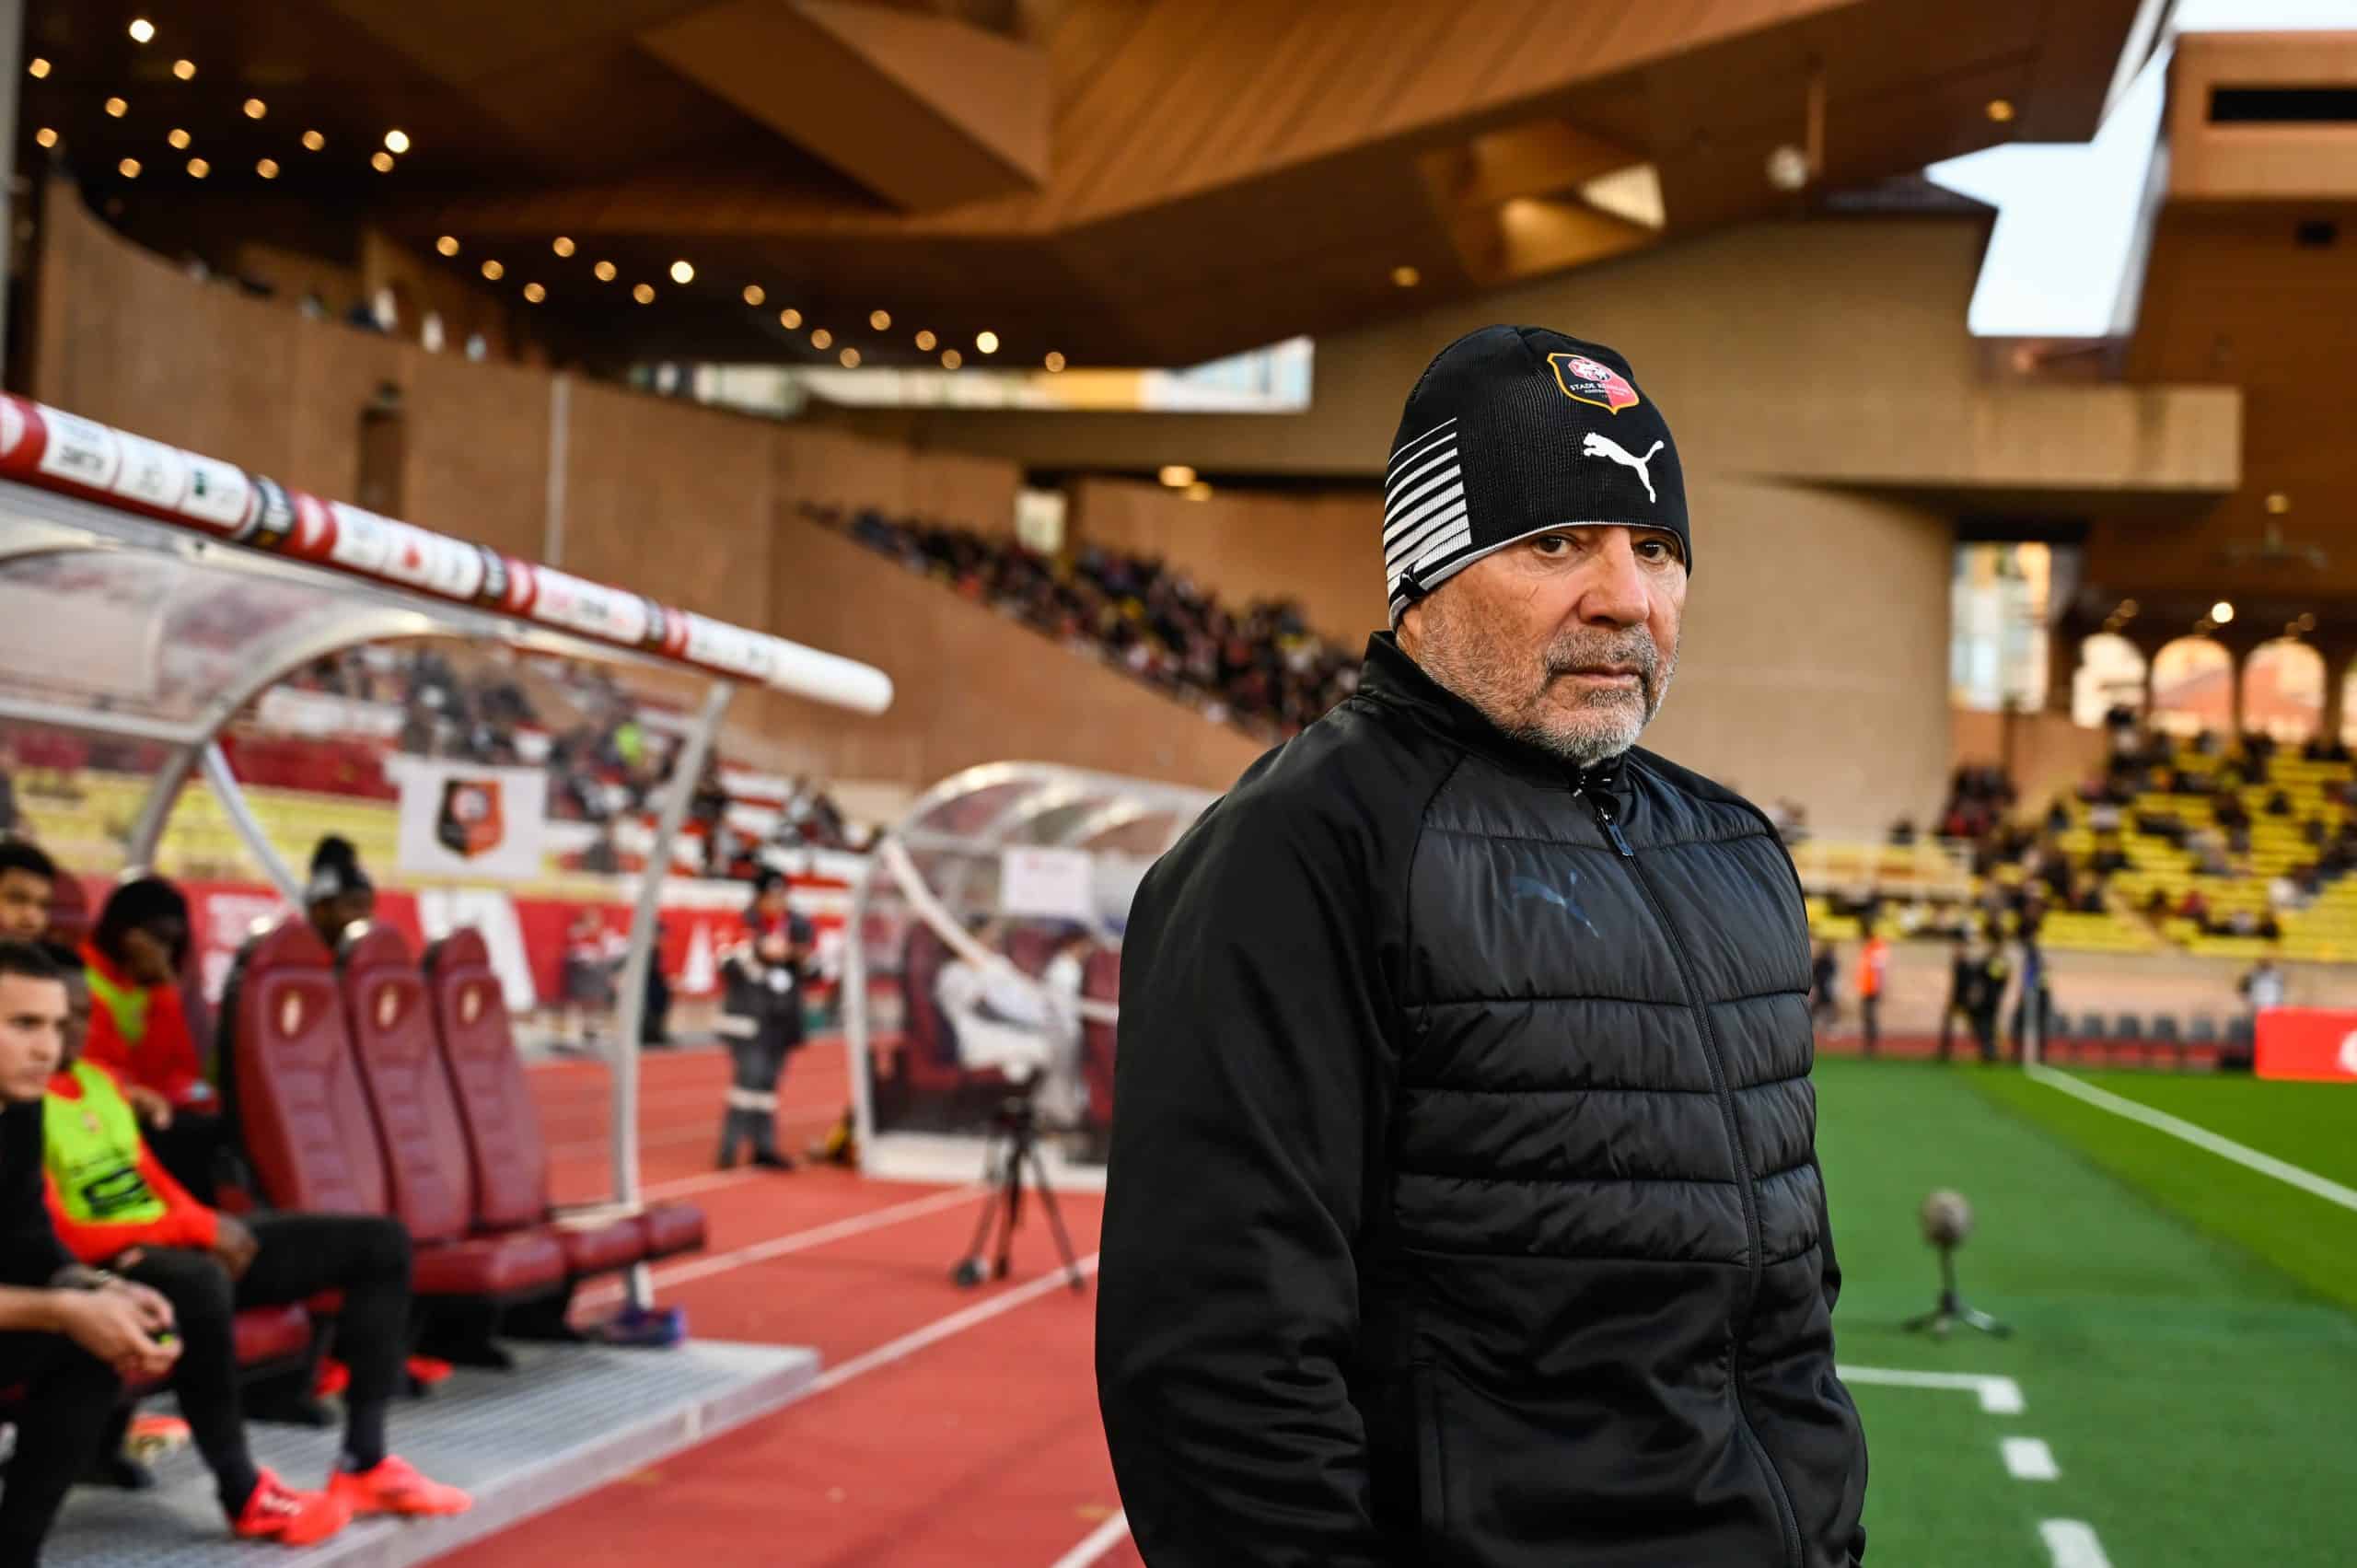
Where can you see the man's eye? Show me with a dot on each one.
(1655, 550)
(1551, 544)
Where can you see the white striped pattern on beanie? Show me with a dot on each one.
(1426, 526)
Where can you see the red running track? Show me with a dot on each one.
(950, 1426)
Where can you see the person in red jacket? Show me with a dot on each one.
(115, 1206)
(139, 1031)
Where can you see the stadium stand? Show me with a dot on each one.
(1256, 666)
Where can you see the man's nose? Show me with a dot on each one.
(1615, 592)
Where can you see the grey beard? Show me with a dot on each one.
(1579, 750)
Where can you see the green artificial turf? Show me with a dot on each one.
(2313, 1126)
(2199, 1401)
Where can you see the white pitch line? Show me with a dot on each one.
(781, 1245)
(1999, 1396)
(2028, 1458)
(2072, 1544)
(955, 1323)
(1096, 1544)
(2199, 1137)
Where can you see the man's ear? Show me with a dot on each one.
(1411, 629)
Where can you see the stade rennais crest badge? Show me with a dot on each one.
(471, 822)
(1585, 380)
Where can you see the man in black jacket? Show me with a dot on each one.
(1464, 1207)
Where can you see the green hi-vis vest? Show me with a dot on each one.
(127, 1003)
(91, 1147)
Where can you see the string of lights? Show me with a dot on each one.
(386, 159)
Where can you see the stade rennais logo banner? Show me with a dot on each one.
(458, 819)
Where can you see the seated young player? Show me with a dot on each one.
(68, 1335)
(28, 879)
(114, 1203)
(138, 1031)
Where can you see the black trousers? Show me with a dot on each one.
(363, 1255)
(191, 1149)
(68, 1399)
(1984, 1031)
(1949, 1016)
(755, 1062)
(1870, 1021)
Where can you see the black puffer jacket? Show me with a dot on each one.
(1464, 1208)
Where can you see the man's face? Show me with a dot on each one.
(1567, 640)
(32, 1035)
(24, 905)
(147, 952)
(332, 917)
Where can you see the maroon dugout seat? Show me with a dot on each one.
(502, 1127)
(302, 1112)
(429, 1178)
(70, 914)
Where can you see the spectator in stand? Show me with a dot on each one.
(28, 879)
(2279, 804)
(2109, 858)
(339, 895)
(117, 1209)
(601, 858)
(2058, 817)
(1902, 832)
(1874, 966)
(68, 1336)
(139, 1033)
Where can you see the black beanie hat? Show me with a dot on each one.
(1512, 431)
(335, 870)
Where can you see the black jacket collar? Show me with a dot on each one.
(1397, 681)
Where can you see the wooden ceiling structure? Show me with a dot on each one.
(2252, 282)
(1134, 182)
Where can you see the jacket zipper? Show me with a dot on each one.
(1744, 1192)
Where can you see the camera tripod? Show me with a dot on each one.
(1016, 1122)
(1952, 1308)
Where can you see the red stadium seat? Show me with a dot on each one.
(430, 1171)
(302, 1112)
(70, 910)
(502, 1127)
